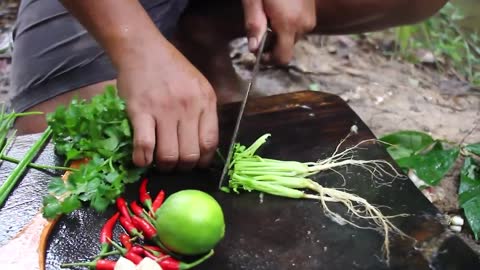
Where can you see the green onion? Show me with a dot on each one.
(17, 173)
(37, 166)
(250, 172)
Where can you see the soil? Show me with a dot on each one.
(387, 93)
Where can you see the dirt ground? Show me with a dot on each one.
(388, 94)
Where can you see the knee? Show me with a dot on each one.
(419, 10)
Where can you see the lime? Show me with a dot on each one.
(190, 222)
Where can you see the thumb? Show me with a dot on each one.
(255, 22)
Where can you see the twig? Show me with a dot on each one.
(470, 132)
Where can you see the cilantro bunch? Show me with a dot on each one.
(100, 131)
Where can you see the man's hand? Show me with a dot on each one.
(172, 108)
(288, 19)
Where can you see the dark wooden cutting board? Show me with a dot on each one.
(267, 232)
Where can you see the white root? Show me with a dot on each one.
(363, 210)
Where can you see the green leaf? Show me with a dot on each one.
(410, 140)
(432, 166)
(51, 206)
(472, 210)
(97, 129)
(99, 203)
(133, 175)
(126, 128)
(109, 144)
(398, 152)
(469, 194)
(474, 148)
(57, 186)
(70, 204)
(112, 176)
(469, 175)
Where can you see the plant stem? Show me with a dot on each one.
(106, 254)
(37, 166)
(13, 178)
(199, 261)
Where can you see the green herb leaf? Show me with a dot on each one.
(70, 204)
(474, 148)
(432, 166)
(51, 206)
(100, 131)
(469, 194)
(57, 186)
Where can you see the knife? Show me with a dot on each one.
(251, 85)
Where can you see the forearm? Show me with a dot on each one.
(354, 16)
(120, 26)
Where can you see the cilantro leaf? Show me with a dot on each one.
(57, 186)
(70, 204)
(99, 130)
(51, 206)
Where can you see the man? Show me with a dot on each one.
(76, 47)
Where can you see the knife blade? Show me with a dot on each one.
(251, 85)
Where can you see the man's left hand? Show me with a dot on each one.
(288, 19)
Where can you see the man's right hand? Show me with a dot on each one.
(171, 105)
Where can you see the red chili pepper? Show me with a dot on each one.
(148, 230)
(137, 250)
(125, 240)
(132, 256)
(158, 201)
(123, 208)
(137, 210)
(170, 263)
(106, 233)
(145, 198)
(130, 228)
(98, 264)
(105, 265)
(140, 212)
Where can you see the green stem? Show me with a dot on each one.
(147, 217)
(27, 113)
(118, 248)
(106, 254)
(88, 264)
(197, 262)
(165, 249)
(13, 178)
(266, 187)
(7, 143)
(37, 166)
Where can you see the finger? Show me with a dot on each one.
(143, 138)
(208, 135)
(255, 22)
(188, 142)
(283, 51)
(167, 143)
